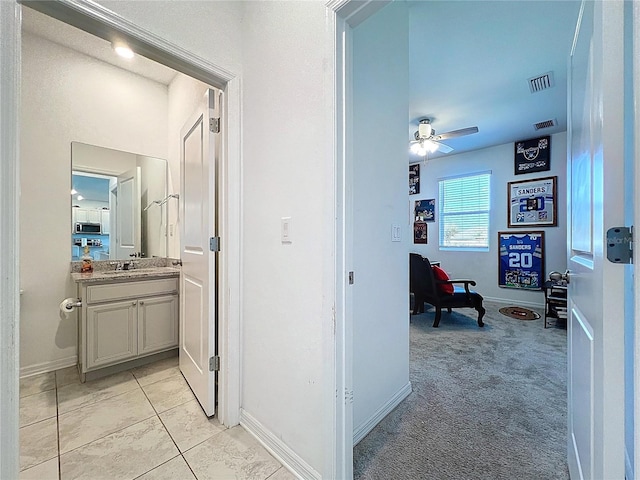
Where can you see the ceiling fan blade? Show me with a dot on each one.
(456, 133)
(442, 147)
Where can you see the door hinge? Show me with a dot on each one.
(214, 363)
(350, 278)
(214, 244)
(214, 125)
(620, 244)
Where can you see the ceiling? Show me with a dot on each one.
(470, 62)
(93, 188)
(63, 34)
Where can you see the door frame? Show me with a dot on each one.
(9, 237)
(634, 463)
(99, 21)
(347, 15)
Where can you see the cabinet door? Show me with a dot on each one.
(157, 323)
(105, 222)
(93, 216)
(111, 333)
(81, 215)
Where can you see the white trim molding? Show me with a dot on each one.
(363, 429)
(278, 448)
(354, 12)
(10, 37)
(45, 367)
(634, 463)
(338, 353)
(102, 22)
(526, 303)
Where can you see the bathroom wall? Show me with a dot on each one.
(68, 97)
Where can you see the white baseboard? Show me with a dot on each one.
(289, 459)
(516, 302)
(361, 431)
(628, 466)
(48, 366)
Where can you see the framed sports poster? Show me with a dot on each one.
(532, 156)
(420, 232)
(425, 210)
(521, 260)
(414, 179)
(532, 203)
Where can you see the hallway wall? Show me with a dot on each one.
(288, 171)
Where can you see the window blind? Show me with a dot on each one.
(464, 211)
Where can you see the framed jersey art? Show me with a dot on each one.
(532, 203)
(521, 260)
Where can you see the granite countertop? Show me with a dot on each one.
(135, 274)
(105, 271)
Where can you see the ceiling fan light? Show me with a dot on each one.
(430, 146)
(424, 130)
(415, 148)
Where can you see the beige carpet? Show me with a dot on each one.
(487, 403)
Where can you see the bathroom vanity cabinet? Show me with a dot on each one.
(122, 321)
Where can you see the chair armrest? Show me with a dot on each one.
(470, 282)
(451, 282)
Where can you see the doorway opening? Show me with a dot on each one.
(228, 174)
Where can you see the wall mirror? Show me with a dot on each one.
(118, 204)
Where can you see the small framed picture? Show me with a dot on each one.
(532, 203)
(532, 156)
(420, 232)
(414, 179)
(425, 210)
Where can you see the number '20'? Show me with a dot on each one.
(520, 260)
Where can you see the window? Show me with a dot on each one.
(464, 211)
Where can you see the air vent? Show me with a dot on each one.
(541, 82)
(545, 124)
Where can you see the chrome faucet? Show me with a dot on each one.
(129, 265)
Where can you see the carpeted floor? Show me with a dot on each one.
(487, 403)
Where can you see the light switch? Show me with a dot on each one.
(396, 233)
(285, 229)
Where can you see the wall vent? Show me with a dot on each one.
(541, 82)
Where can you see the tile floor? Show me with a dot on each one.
(144, 423)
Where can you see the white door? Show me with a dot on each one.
(596, 203)
(128, 236)
(198, 224)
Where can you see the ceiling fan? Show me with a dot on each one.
(426, 140)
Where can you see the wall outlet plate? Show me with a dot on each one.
(396, 233)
